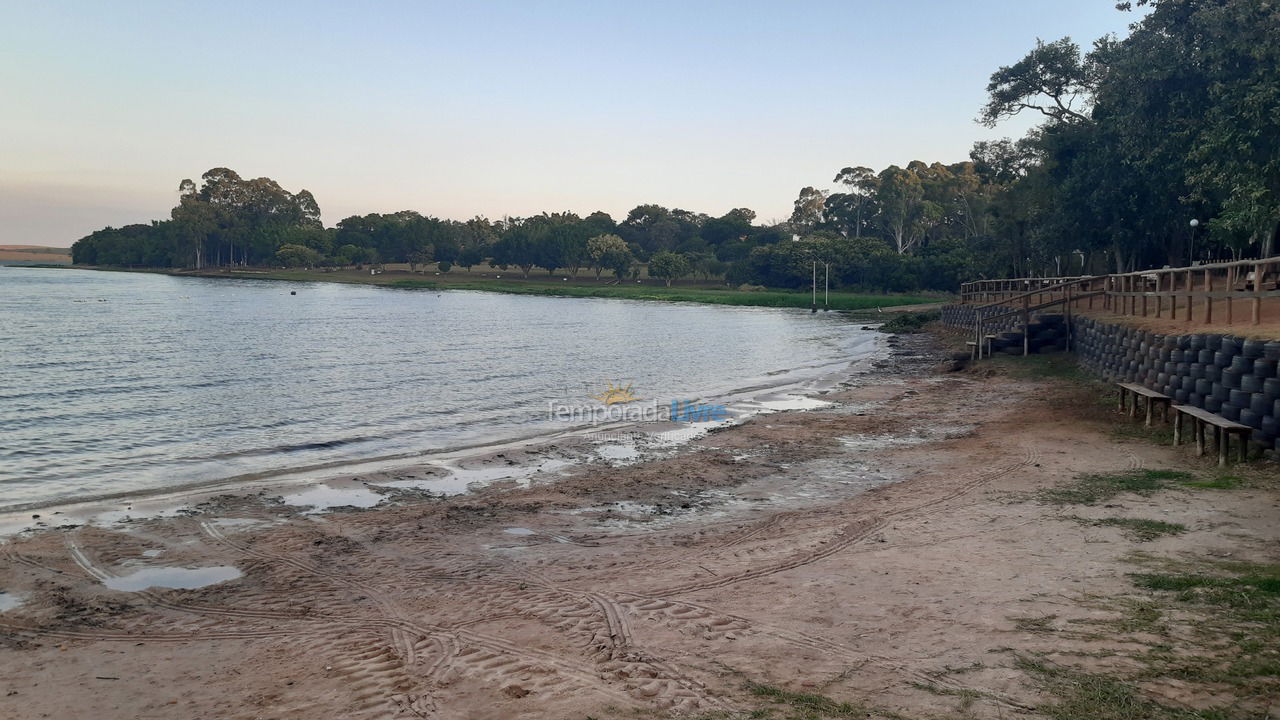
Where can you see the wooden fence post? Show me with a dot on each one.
(1190, 299)
(1208, 299)
(1257, 293)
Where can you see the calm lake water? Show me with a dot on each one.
(116, 382)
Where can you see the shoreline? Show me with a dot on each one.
(857, 303)
(743, 403)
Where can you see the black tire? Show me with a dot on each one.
(1221, 392)
(1212, 404)
(1251, 383)
(1253, 348)
(1264, 368)
(1269, 425)
(1260, 404)
(1195, 400)
(1242, 364)
(1230, 412)
(1250, 418)
(1271, 386)
(1240, 398)
(1203, 387)
(1180, 396)
(1222, 359)
(1231, 378)
(1213, 372)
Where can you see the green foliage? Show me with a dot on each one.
(907, 322)
(668, 266)
(298, 256)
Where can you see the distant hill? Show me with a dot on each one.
(31, 254)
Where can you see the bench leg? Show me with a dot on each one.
(1148, 412)
(1177, 429)
(1199, 437)
(1133, 407)
(1123, 392)
(1244, 447)
(1224, 442)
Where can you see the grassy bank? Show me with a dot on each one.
(583, 287)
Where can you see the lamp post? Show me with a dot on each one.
(1191, 251)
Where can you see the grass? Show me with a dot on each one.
(783, 704)
(1056, 366)
(1080, 695)
(583, 287)
(1222, 482)
(806, 706)
(1255, 590)
(1097, 488)
(1137, 529)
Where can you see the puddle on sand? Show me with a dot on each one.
(460, 480)
(172, 577)
(519, 531)
(794, 402)
(323, 497)
(9, 601)
(618, 454)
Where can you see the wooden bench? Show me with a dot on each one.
(1151, 396)
(1222, 431)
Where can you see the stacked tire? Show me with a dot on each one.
(1234, 377)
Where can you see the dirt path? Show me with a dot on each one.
(886, 551)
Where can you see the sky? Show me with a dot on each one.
(492, 108)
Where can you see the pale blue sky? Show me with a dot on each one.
(491, 108)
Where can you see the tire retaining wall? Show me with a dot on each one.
(1046, 332)
(1227, 375)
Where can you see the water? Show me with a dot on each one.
(171, 577)
(123, 382)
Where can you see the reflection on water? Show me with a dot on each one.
(119, 382)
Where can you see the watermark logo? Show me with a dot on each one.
(620, 403)
(690, 411)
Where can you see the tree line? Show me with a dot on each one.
(1177, 121)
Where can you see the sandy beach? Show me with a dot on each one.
(926, 545)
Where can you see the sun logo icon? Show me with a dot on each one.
(616, 395)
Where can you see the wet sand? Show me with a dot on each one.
(884, 550)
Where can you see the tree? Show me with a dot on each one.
(862, 183)
(810, 208)
(901, 199)
(298, 256)
(471, 255)
(668, 266)
(606, 251)
(1052, 79)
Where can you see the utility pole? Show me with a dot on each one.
(813, 307)
(826, 287)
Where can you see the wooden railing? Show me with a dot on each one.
(1189, 294)
(1065, 294)
(988, 291)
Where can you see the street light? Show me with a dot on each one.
(1191, 251)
